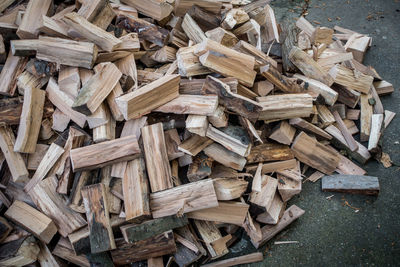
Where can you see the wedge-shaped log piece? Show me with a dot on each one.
(137, 232)
(156, 9)
(215, 243)
(13, 67)
(149, 97)
(64, 103)
(287, 106)
(49, 160)
(229, 188)
(225, 156)
(290, 182)
(346, 77)
(228, 141)
(375, 134)
(314, 154)
(269, 231)
(195, 144)
(283, 133)
(228, 67)
(96, 206)
(156, 156)
(91, 32)
(353, 184)
(96, 89)
(192, 29)
(226, 212)
(32, 19)
(325, 91)
(64, 250)
(105, 153)
(310, 128)
(222, 36)
(32, 220)
(190, 104)
(135, 189)
(309, 67)
(274, 212)
(188, 63)
(234, 102)
(14, 160)
(280, 81)
(269, 152)
(52, 204)
(156, 246)
(30, 122)
(184, 198)
(263, 200)
(67, 52)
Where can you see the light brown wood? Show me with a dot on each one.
(325, 116)
(197, 124)
(314, 154)
(35, 158)
(25, 253)
(15, 162)
(225, 157)
(210, 235)
(32, 220)
(389, 116)
(190, 104)
(182, 6)
(365, 117)
(134, 104)
(310, 128)
(290, 182)
(105, 153)
(274, 212)
(325, 91)
(305, 26)
(183, 199)
(283, 133)
(188, 63)
(135, 190)
(222, 36)
(155, 9)
(54, 28)
(192, 29)
(346, 77)
(229, 188)
(274, 166)
(194, 144)
(8, 79)
(345, 132)
(32, 19)
(263, 199)
(245, 259)
(172, 141)
(105, 132)
(375, 134)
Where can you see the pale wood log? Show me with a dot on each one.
(183, 6)
(314, 154)
(222, 36)
(263, 88)
(383, 87)
(365, 117)
(195, 144)
(375, 134)
(155, 9)
(262, 200)
(274, 212)
(105, 153)
(378, 106)
(192, 29)
(90, 10)
(69, 81)
(234, 17)
(106, 131)
(310, 128)
(156, 156)
(188, 63)
(23, 252)
(210, 235)
(225, 157)
(8, 79)
(283, 133)
(183, 199)
(274, 166)
(325, 116)
(346, 77)
(351, 143)
(281, 82)
(101, 235)
(269, 152)
(60, 121)
(268, 231)
(62, 101)
(54, 28)
(190, 104)
(32, 19)
(325, 91)
(15, 162)
(172, 141)
(389, 116)
(229, 188)
(197, 124)
(133, 105)
(32, 220)
(290, 182)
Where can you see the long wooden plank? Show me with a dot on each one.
(354, 184)
(184, 198)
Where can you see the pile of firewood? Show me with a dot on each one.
(161, 130)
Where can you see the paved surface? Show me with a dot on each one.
(331, 233)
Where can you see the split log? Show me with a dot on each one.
(354, 184)
(197, 124)
(194, 144)
(283, 133)
(230, 142)
(8, 79)
(310, 128)
(245, 259)
(222, 36)
(281, 82)
(21, 252)
(192, 29)
(215, 243)
(262, 200)
(274, 166)
(32, 19)
(365, 117)
(225, 156)
(325, 91)
(64, 250)
(190, 104)
(274, 212)
(183, 198)
(375, 134)
(155, 9)
(229, 188)
(269, 152)
(346, 77)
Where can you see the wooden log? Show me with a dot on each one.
(60, 120)
(134, 104)
(287, 106)
(5, 229)
(192, 29)
(54, 206)
(155, 9)
(195, 144)
(389, 116)
(54, 28)
(46, 258)
(353, 184)
(222, 36)
(263, 200)
(229, 188)
(361, 155)
(92, 9)
(190, 104)
(101, 235)
(345, 132)
(172, 141)
(64, 250)
(28, 130)
(197, 124)
(91, 32)
(269, 231)
(5, 4)
(67, 52)
(32, 220)
(283, 133)
(105, 153)
(211, 237)
(62, 101)
(269, 152)
(325, 116)
(234, 17)
(156, 156)
(184, 5)
(149, 248)
(188, 63)
(105, 132)
(310, 128)
(32, 19)
(225, 156)
(137, 232)
(226, 212)
(290, 182)
(325, 91)
(21, 252)
(96, 89)
(228, 141)
(10, 110)
(205, 19)
(184, 199)
(346, 77)
(383, 88)
(375, 134)
(245, 259)
(8, 79)
(281, 82)
(165, 54)
(236, 103)
(135, 190)
(15, 162)
(155, 262)
(305, 26)
(314, 154)
(274, 212)
(274, 166)
(365, 117)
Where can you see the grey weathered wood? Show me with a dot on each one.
(136, 232)
(353, 184)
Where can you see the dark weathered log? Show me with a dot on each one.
(353, 184)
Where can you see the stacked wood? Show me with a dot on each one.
(108, 157)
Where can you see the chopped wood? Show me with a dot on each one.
(155, 9)
(347, 78)
(31, 21)
(249, 258)
(389, 116)
(8, 79)
(310, 128)
(211, 237)
(354, 184)
(226, 212)
(192, 29)
(351, 143)
(325, 91)
(222, 36)
(269, 152)
(283, 133)
(225, 156)
(365, 117)
(375, 134)
(190, 104)
(229, 188)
